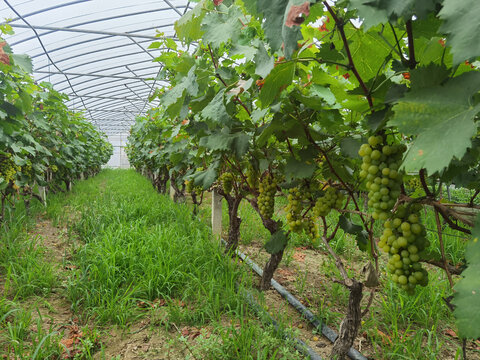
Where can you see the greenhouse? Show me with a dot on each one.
(239, 179)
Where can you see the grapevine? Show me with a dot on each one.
(380, 169)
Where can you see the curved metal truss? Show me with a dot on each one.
(96, 51)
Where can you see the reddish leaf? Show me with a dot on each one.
(4, 58)
(217, 2)
(451, 333)
(294, 16)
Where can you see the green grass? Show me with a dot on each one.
(134, 246)
(128, 246)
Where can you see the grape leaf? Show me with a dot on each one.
(273, 11)
(188, 26)
(224, 141)
(172, 96)
(467, 290)
(376, 12)
(438, 115)
(295, 169)
(462, 26)
(24, 62)
(279, 77)
(206, 178)
(277, 242)
(350, 227)
(222, 26)
(263, 62)
(216, 109)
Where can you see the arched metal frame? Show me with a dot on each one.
(95, 51)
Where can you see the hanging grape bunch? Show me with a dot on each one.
(311, 228)
(380, 170)
(252, 178)
(294, 209)
(227, 182)
(266, 198)
(333, 199)
(404, 240)
(8, 168)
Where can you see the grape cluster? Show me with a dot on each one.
(252, 178)
(227, 182)
(333, 199)
(380, 168)
(404, 240)
(266, 198)
(191, 188)
(8, 168)
(294, 209)
(311, 228)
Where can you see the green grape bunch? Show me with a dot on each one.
(266, 198)
(252, 178)
(189, 187)
(333, 199)
(311, 228)
(8, 168)
(294, 209)
(380, 169)
(404, 239)
(227, 182)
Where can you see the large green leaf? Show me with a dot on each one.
(358, 231)
(174, 95)
(277, 242)
(368, 51)
(374, 12)
(295, 169)
(225, 142)
(442, 118)
(273, 11)
(24, 62)
(188, 26)
(263, 62)
(216, 110)
(279, 78)
(467, 290)
(462, 26)
(222, 26)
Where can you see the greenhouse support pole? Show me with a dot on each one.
(216, 214)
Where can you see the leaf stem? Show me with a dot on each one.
(340, 25)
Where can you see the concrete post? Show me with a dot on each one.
(216, 214)
(43, 194)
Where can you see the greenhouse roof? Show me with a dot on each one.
(95, 51)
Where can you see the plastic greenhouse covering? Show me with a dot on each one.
(97, 52)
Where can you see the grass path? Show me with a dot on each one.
(112, 270)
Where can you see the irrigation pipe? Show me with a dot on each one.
(299, 344)
(328, 332)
